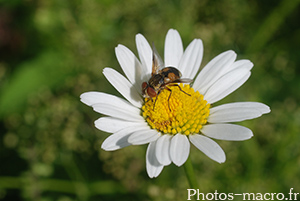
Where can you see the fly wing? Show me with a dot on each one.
(157, 63)
(183, 80)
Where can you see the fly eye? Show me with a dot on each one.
(144, 85)
(151, 92)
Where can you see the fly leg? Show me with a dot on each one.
(179, 88)
(155, 99)
(171, 93)
(169, 97)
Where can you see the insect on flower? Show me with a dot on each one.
(193, 121)
(161, 78)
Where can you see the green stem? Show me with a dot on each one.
(189, 171)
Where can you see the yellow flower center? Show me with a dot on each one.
(181, 110)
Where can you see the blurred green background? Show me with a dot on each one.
(52, 51)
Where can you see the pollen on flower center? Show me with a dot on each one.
(181, 113)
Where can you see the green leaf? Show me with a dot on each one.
(46, 70)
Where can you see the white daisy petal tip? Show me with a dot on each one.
(113, 125)
(172, 30)
(154, 171)
(179, 149)
(143, 137)
(227, 84)
(145, 54)
(209, 147)
(106, 70)
(191, 59)
(222, 160)
(250, 65)
(87, 98)
(112, 146)
(153, 167)
(243, 63)
(173, 33)
(118, 46)
(213, 70)
(173, 48)
(229, 54)
(236, 112)
(163, 149)
(106, 147)
(230, 132)
(265, 109)
(123, 86)
(139, 38)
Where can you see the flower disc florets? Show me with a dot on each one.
(184, 113)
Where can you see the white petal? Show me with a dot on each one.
(102, 102)
(143, 137)
(93, 97)
(121, 111)
(179, 149)
(227, 84)
(191, 59)
(216, 68)
(208, 147)
(112, 125)
(153, 167)
(163, 149)
(227, 132)
(173, 48)
(244, 63)
(145, 54)
(119, 139)
(234, 112)
(123, 86)
(104, 98)
(130, 65)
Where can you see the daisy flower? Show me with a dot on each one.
(173, 120)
